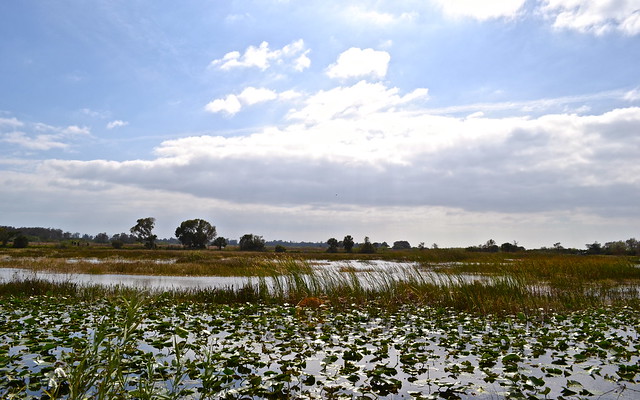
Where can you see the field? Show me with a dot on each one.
(531, 326)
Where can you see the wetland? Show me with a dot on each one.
(406, 325)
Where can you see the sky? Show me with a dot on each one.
(436, 121)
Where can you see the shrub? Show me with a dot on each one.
(20, 242)
(117, 244)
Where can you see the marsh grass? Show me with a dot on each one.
(523, 284)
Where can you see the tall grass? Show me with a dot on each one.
(525, 285)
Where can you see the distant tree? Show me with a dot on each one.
(435, 246)
(251, 242)
(367, 247)
(333, 245)
(220, 242)
(401, 245)
(633, 246)
(384, 245)
(348, 243)
(101, 238)
(421, 245)
(557, 246)
(615, 248)
(5, 236)
(195, 233)
(20, 241)
(143, 232)
(594, 248)
(117, 244)
(490, 246)
(280, 249)
(124, 238)
(510, 247)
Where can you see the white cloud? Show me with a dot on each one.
(357, 62)
(232, 104)
(262, 57)
(37, 142)
(363, 98)
(597, 17)
(116, 124)
(632, 95)
(251, 95)
(10, 122)
(39, 136)
(349, 140)
(481, 10)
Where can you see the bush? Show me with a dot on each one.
(20, 242)
(117, 244)
(250, 242)
(280, 249)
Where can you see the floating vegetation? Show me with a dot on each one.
(140, 347)
(535, 327)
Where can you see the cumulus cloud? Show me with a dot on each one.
(39, 136)
(10, 122)
(357, 62)
(597, 17)
(232, 103)
(377, 147)
(116, 124)
(263, 57)
(363, 98)
(481, 10)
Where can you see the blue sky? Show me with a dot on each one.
(449, 122)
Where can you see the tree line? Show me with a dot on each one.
(199, 234)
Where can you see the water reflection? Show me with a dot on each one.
(368, 272)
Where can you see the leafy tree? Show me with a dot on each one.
(143, 232)
(401, 245)
(251, 242)
(333, 245)
(490, 246)
(117, 244)
(280, 249)
(594, 248)
(20, 241)
(348, 243)
(511, 247)
(195, 233)
(124, 238)
(101, 238)
(4, 236)
(220, 242)
(367, 247)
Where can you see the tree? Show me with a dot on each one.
(348, 243)
(20, 241)
(101, 238)
(280, 249)
(251, 242)
(142, 231)
(5, 235)
(490, 246)
(333, 245)
(367, 247)
(220, 242)
(401, 245)
(594, 248)
(195, 233)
